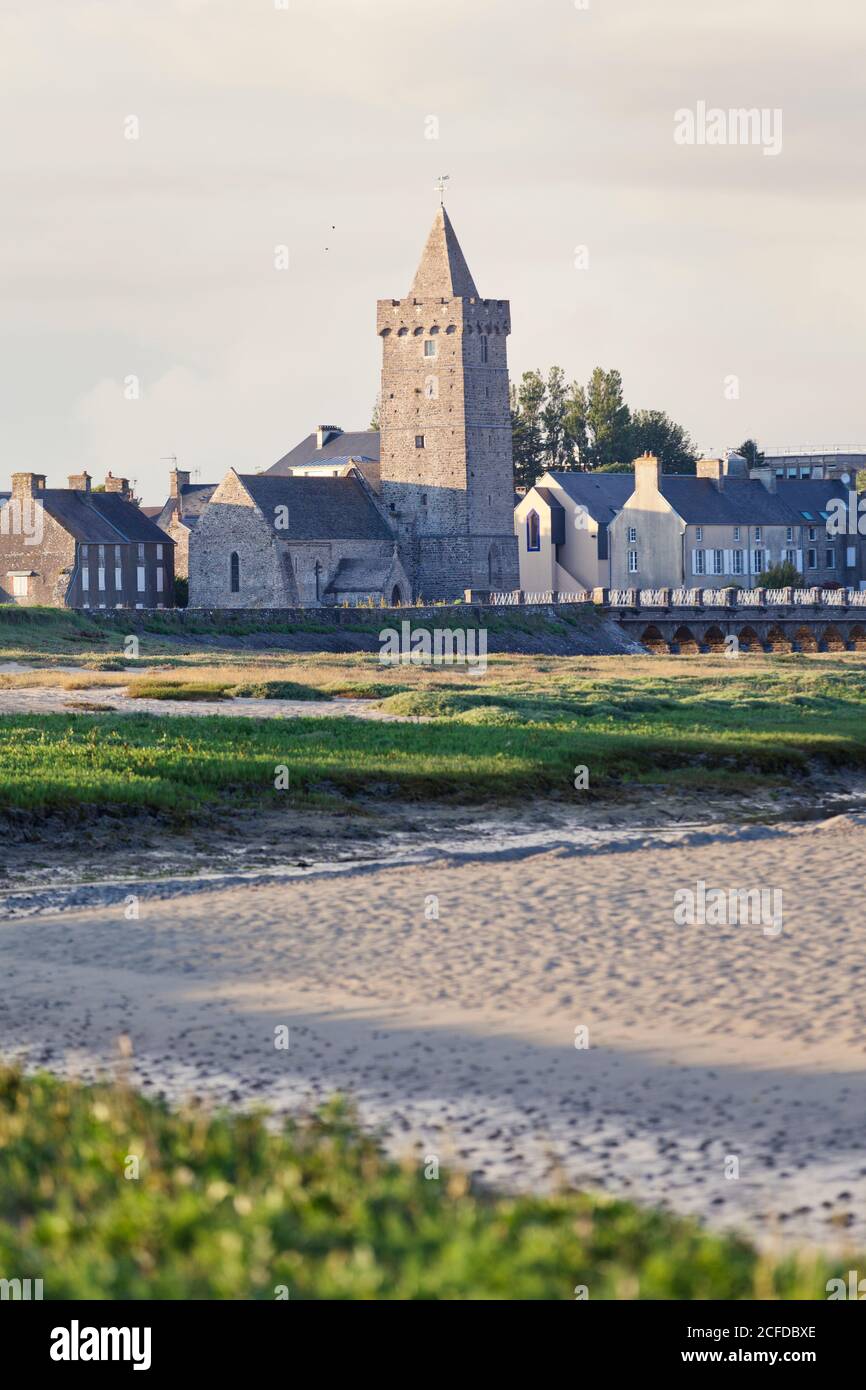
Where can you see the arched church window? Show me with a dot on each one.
(533, 532)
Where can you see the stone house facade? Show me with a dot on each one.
(185, 503)
(77, 548)
(267, 541)
(724, 526)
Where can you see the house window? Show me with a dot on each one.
(84, 552)
(483, 349)
(429, 348)
(20, 585)
(736, 533)
(759, 561)
(632, 534)
(830, 560)
(101, 578)
(140, 576)
(812, 559)
(419, 441)
(235, 566)
(699, 533)
(632, 562)
(718, 562)
(118, 578)
(159, 552)
(791, 558)
(738, 560)
(699, 565)
(85, 579)
(102, 555)
(789, 533)
(813, 533)
(141, 554)
(758, 533)
(159, 576)
(533, 532)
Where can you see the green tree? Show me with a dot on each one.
(559, 447)
(374, 418)
(654, 432)
(751, 453)
(782, 576)
(602, 418)
(527, 428)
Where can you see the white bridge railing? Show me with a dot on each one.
(814, 597)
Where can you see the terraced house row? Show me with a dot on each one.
(723, 526)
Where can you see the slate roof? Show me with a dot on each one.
(353, 576)
(319, 508)
(99, 517)
(194, 498)
(810, 494)
(744, 501)
(355, 444)
(602, 494)
(442, 270)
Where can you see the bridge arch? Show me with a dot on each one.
(685, 641)
(714, 638)
(749, 639)
(858, 637)
(806, 639)
(653, 640)
(832, 639)
(778, 640)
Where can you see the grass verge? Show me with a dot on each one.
(224, 1207)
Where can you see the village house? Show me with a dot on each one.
(724, 526)
(562, 530)
(77, 547)
(177, 518)
(720, 527)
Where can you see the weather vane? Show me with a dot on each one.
(440, 185)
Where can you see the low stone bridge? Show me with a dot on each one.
(695, 620)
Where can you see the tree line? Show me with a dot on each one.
(558, 424)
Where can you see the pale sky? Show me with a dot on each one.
(307, 127)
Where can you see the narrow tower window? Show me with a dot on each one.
(483, 349)
(235, 572)
(419, 441)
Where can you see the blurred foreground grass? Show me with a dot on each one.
(226, 1207)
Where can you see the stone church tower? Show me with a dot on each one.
(445, 427)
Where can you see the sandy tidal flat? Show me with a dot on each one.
(448, 997)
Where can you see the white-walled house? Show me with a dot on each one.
(562, 530)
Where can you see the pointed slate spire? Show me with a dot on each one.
(442, 271)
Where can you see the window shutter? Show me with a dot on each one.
(729, 562)
(800, 561)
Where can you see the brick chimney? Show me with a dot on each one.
(79, 482)
(713, 469)
(646, 473)
(178, 478)
(27, 484)
(120, 485)
(325, 433)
